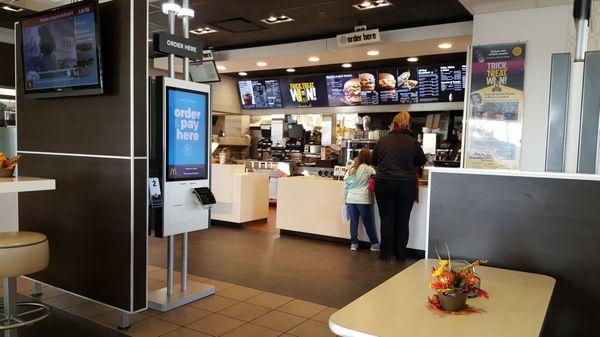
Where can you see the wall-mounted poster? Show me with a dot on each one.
(386, 85)
(304, 92)
(495, 104)
(343, 89)
(408, 86)
(368, 88)
(260, 94)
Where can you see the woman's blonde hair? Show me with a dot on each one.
(400, 121)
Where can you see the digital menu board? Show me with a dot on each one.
(260, 94)
(452, 81)
(304, 92)
(408, 86)
(402, 85)
(343, 89)
(429, 84)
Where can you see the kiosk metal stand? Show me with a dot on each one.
(168, 298)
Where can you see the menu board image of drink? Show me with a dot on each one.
(408, 86)
(343, 89)
(368, 88)
(304, 92)
(260, 94)
(452, 83)
(429, 85)
(386, 86)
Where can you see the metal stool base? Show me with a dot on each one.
(7, 323)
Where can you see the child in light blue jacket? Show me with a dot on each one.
(359, 200)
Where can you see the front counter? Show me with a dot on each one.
(312, 205)
(241, 197)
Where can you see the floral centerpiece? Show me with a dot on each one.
(7, 165)
(454, 285)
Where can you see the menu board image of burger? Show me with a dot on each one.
(368, 91)
(343, 89)
(387, 86)
(408, 86)
(304, 92)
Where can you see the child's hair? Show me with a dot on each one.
(364, 157)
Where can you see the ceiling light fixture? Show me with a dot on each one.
(347, 65)
(261, 64)
(185, 12)
(169, 6)
(12, 9)
(272, 20)
(314, 59)
(203, 30)
(221, 67)
(445, 45)
(412, 59)
(365, 5)
(290, 70)
(243, 73)
(373, 52)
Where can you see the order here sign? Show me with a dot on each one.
(358, 38)
(172, 44)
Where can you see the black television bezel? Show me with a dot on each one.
(168, 177)
(70, 91)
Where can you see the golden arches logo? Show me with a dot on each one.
(173, 171)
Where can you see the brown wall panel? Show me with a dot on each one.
(88, 124)
(7, 70)
(140, 88)
(87, 221)
(140, 232)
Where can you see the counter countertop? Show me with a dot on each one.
(398, 307)
(328, 180)
(26, 184)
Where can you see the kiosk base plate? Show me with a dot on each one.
(160, 301)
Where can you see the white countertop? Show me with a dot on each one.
(26, 184)
(398, 307)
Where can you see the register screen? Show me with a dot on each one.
(187, 127)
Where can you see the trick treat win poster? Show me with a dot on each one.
(495, 106)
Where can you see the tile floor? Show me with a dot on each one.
(234, 311)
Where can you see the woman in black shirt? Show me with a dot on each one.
(396, 158)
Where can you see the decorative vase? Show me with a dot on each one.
(453, 302)
(6, 173)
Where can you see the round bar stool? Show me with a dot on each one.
(21, 253)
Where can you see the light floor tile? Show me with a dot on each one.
(112, 319)
(213, 303)
(216, 325)
(183, 315)
(88, 309)
(219, 285)
(269, 300)
(185, 332)
(251, 330)
(239, 293)
(244, 311)
(302, 308)
(153, 268)
(150, 327)
(311, 329)
(324, 315)
(161, 275)
(279, 321)
(155, 285)
(49, 292)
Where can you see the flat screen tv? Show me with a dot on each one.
(60, 51)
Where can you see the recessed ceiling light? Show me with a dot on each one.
(347, 65)
(373, 52)
(314, 59)
(12, 9)
(290, 70)
(272, 20)
(412, 59)
(261, 64)
(445, 45)
(243, 73)
(365, 5)
(203, 30)
(221, 67)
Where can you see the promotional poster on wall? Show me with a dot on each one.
(408, 86)
(304, 92)
(343, 89)
(386, 86)
(496, 95)
(368, 88)
(260, 94)
(187, 127)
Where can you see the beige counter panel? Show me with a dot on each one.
(314, 205)
(398, 307)
(241, 197)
